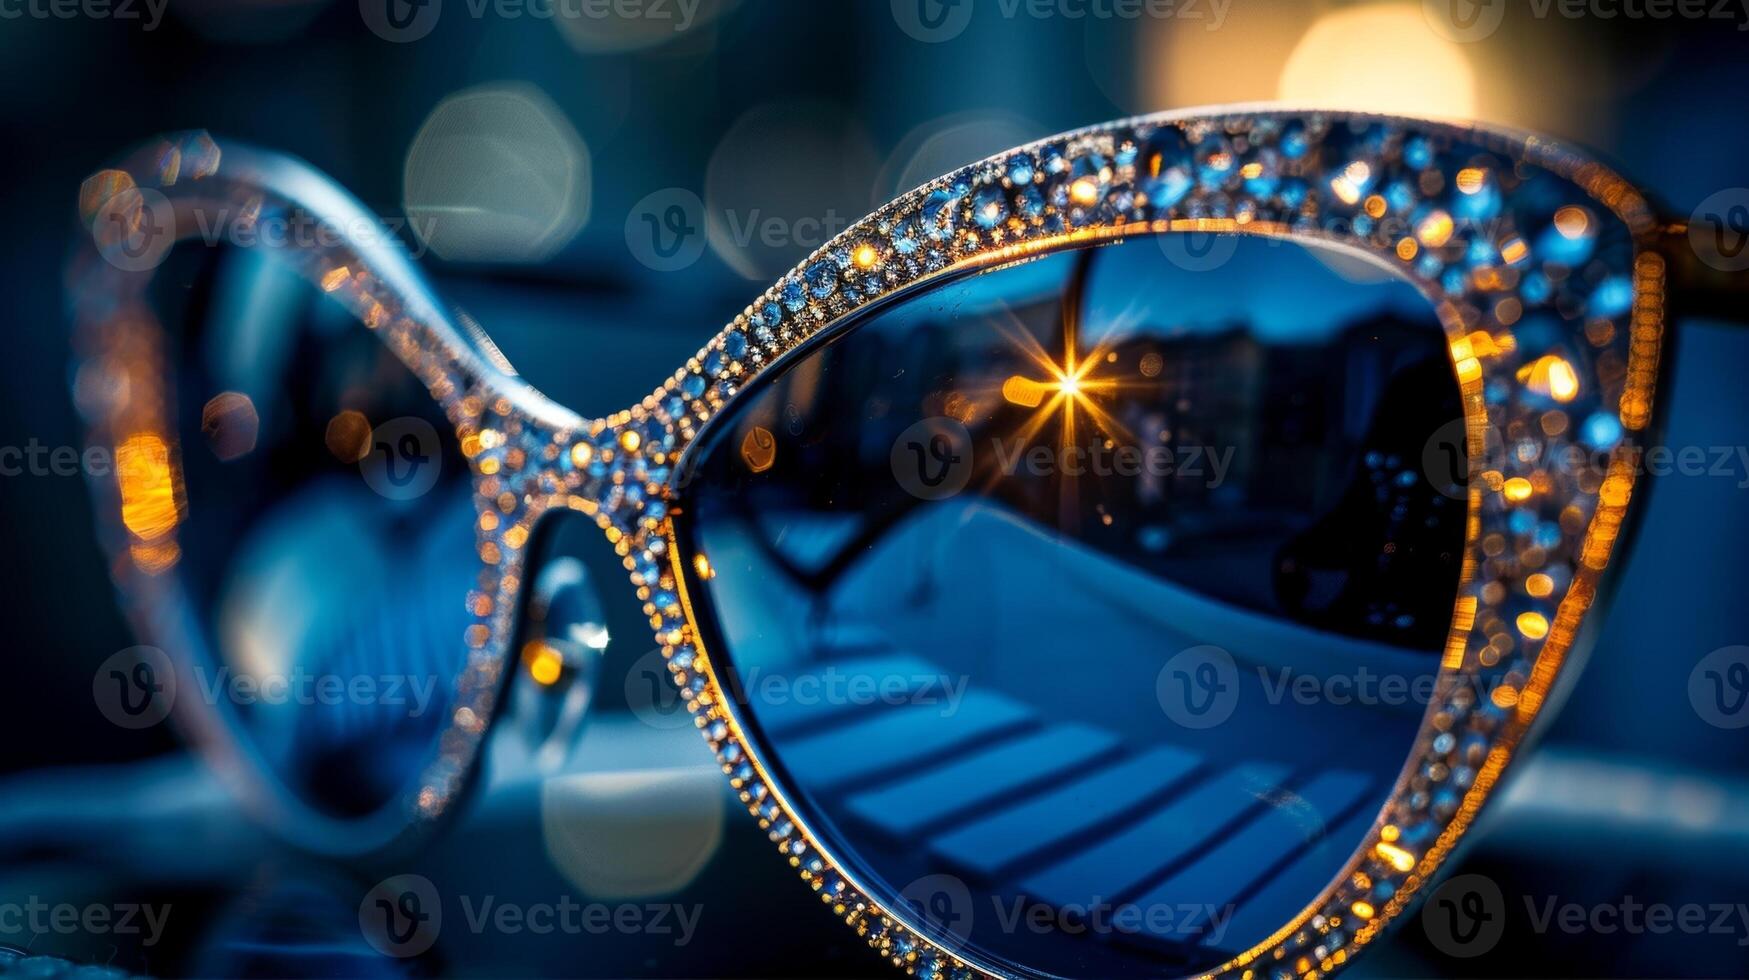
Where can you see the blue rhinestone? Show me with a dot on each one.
(1294, 141)
(692, 385)
(822, 279)
(735, 344)
(714, 362)
(1021, 169)
(1052, 160)
(1418, 152)
(793, 299)
(939, 213)
(989, 207)
(905, 239)
(1214, 161)
(1166, 190)
(1029, 202)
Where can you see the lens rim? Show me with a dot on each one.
(186, 185)
(1341, 907)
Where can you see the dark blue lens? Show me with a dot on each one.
(1088, 608)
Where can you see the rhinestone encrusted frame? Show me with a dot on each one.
(1541, 266)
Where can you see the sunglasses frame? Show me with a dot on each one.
(1297, 175)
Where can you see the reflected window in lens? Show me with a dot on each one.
(1092, 603)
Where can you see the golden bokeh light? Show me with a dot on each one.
(1379, 58)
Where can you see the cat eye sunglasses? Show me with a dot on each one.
(1144, 550)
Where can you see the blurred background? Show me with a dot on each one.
(602, 191)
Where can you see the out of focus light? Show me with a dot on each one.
(1395, 856)
(1024, 392)
(544, 663)
(348, 436)
(1382, 58)
(230, 425)
(1533, 625)
(148, 484)
(759, 449)
(635, 832)
(1551, 375)
(497, 174)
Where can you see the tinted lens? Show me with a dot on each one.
(326, 543)
(1088, 607)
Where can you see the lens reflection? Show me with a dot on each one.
(328, 548)
(1088, 607)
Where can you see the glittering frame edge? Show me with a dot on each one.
(887, 929)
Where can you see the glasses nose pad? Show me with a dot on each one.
(564, 633)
